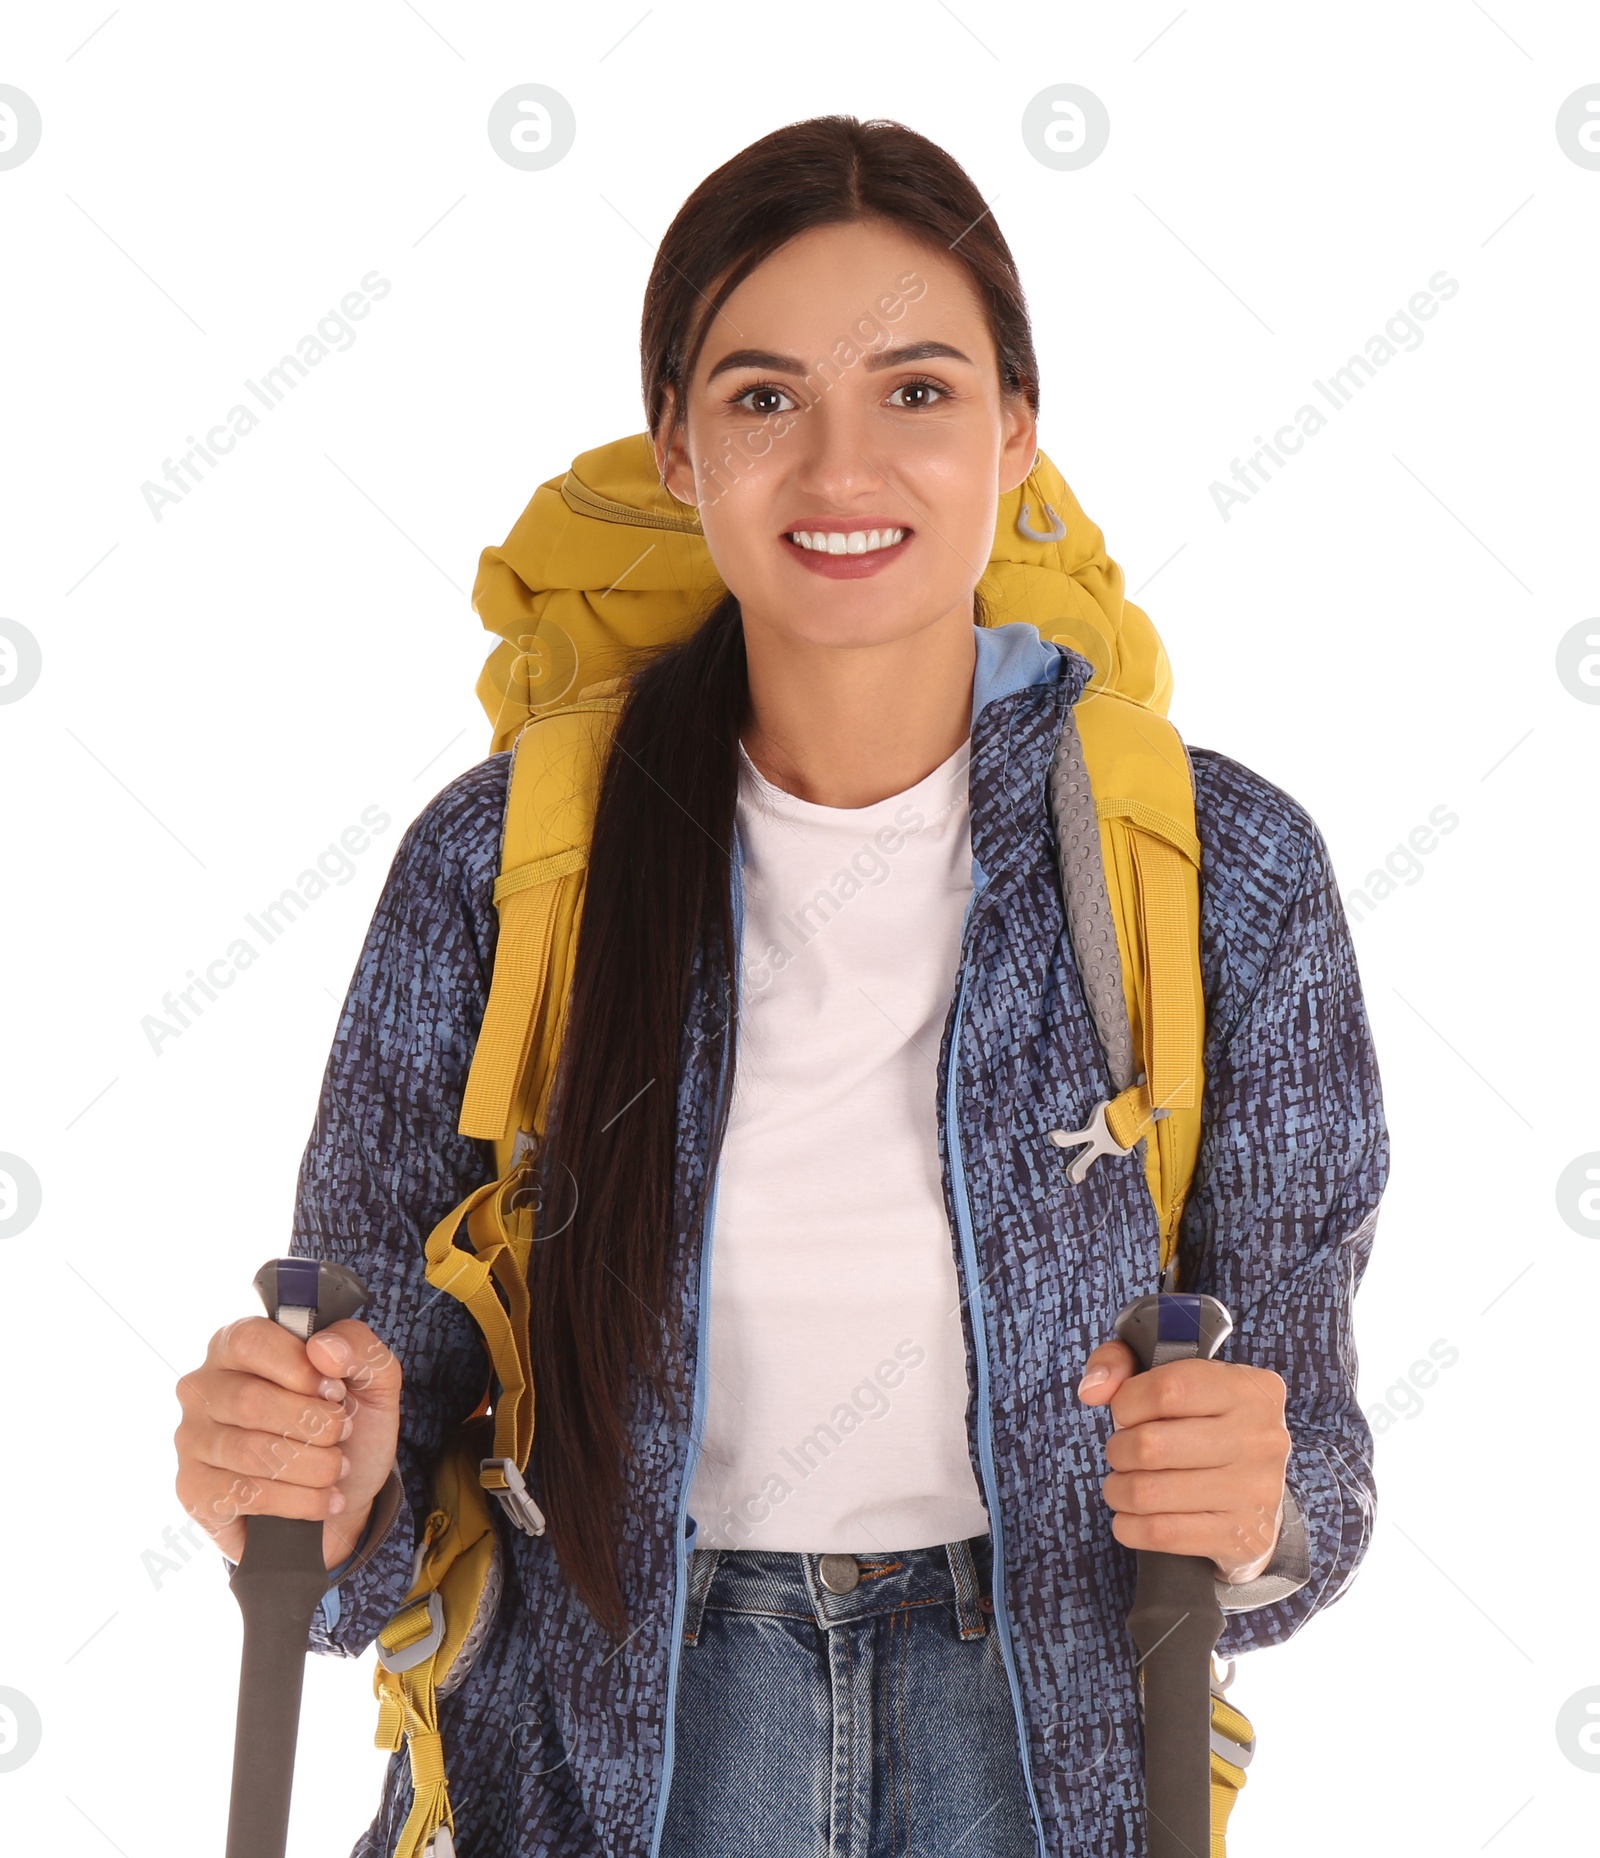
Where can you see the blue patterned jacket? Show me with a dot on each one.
(559, 1743)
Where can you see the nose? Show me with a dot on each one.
(834, 466)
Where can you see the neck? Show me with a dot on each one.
(847, 726)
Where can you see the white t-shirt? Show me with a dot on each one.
(837, 1384)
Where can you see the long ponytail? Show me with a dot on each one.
(656, 898)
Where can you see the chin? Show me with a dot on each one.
(866, 620)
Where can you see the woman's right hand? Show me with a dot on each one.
(273, 1426)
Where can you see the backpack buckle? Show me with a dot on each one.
(409, 1655)
(513, 1495)
(1096, 1138)
(1240, 1754)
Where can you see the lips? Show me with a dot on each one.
(846, 566)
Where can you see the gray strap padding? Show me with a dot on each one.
(1090, 923)
(488, 1607)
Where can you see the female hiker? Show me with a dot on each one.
(840, 1531)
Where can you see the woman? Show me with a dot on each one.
(826, 1127)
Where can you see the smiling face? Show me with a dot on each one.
(847, 438)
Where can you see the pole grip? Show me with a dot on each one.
(1176, 1618)
(279, 1580)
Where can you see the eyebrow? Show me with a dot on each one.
(883, 358)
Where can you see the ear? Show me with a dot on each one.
(1020, 441)
(672, 456)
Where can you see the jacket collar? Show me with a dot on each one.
(1010, 658)
(1022, 688)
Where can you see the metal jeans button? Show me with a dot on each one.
(839, 1573)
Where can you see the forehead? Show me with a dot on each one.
(869, 282)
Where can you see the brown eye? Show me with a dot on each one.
(766, 393)
(924, 388)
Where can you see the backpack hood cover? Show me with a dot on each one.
(605, 560)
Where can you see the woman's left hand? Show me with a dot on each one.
(1197, 1458)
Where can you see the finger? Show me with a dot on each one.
(349, 1351)
(257, 1345)
(1156, 1493)
(1179, 1390)
(197, 1389)
(268, 1457)
(1107, 1368)
(257, 1405)
(1174, 1444)
(1232, 1542)
(217, 1499)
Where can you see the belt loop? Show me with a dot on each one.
(702, 1565)
(964, 1572)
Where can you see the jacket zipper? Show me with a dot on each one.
(1002, 1617)
(680, 1587)
(969, 1254)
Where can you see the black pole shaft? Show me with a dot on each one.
(1176, 1618)
(1175, 1622)
(278, 1583)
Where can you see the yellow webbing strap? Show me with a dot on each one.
(500, 1232)
(455, 1563)
(1226, 1777)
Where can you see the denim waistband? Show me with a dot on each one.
(788, 1583)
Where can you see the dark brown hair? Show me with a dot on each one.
(657, 897)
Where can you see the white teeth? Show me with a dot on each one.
(852, 542)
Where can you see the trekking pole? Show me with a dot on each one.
(1176, 1619)
(279, 1580)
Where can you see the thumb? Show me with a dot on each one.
(348, 1351)
(1105, 1371)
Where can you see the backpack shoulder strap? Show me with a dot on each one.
(1122, 795)
(557, 761)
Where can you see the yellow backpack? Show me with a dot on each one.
(602, 562)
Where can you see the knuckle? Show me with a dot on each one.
(1144, 1490)
(1144, 1448)
(1163, 1532)
(231, 1343)
(272, 1457)
(314, 1421)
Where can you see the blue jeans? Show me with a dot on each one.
(871, 1723)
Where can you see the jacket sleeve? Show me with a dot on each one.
(385, 1163)
(1279, 1223)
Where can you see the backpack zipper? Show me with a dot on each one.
(587, 502)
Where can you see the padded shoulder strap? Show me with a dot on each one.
(557, 762)
(1143, 901)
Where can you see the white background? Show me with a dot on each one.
(225, 690)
